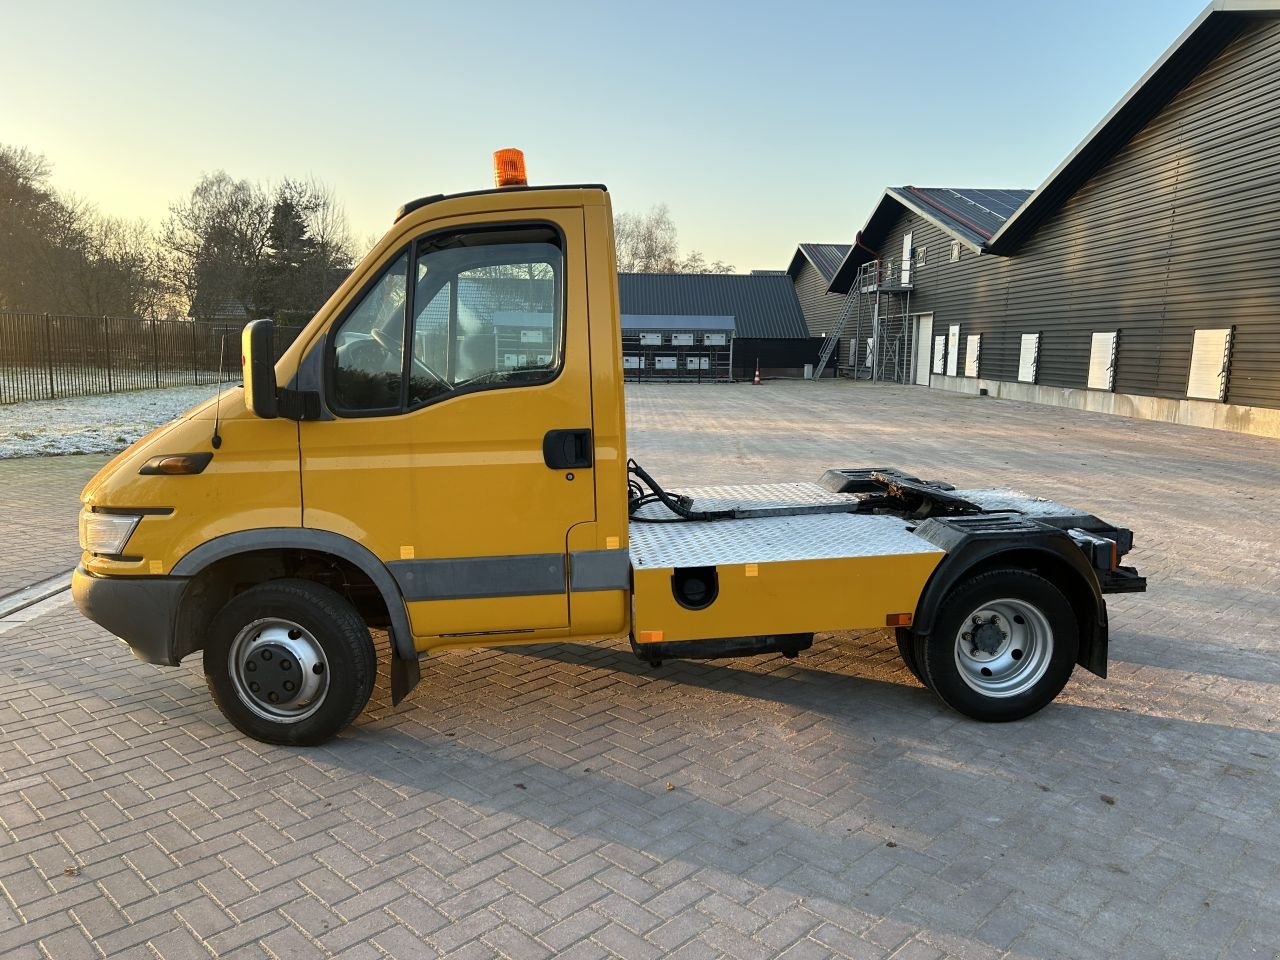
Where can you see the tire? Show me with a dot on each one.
(907, 651)
(1012, 663)
(326, 660)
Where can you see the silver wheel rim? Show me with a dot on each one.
(279, 670)
(1003, 648)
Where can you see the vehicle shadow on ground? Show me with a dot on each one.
(840, 692)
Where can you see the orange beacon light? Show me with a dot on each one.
(508, 168)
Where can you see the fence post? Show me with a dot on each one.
(106, 336)
(155, 352)
(48, 352)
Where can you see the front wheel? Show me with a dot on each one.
(289, 662)
(1003, 646)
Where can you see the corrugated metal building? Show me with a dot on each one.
(811, 271)
(1143, 276)
(768, 324)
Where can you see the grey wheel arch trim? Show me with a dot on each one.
(965, 554)
(405, 671)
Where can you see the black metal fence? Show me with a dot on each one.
(45, 357)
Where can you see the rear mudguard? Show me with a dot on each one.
(974, 544)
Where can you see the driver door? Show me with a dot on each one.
(460, 452)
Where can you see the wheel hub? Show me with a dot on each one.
(273, 674)
(988, 637)
(279, 670)
(1004, 647)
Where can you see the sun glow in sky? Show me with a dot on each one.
(759, 125)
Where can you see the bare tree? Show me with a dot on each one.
(214, 240)
(271, 251)
(122, 269)
(648, 243)
(59, 255)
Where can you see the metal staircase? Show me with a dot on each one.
(831, 343)
(882, 292)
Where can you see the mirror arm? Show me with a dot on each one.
(298, 404)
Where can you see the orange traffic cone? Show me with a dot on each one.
(756, 381)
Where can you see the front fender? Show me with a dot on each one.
(405, 671)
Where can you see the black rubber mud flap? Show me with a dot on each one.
(405, 674)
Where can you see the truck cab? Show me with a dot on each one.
(441, 453)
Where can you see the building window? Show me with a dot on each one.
(939, 353)
(1102, 361)
(955, 250)
(972, 350)
(953, 349)
(1210, 353)
(1029, 357)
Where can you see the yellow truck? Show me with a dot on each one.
(441, 453)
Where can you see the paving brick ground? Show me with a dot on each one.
(568, 801)
(39, 501)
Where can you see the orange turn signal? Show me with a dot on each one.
(178, 464)
(508, 168)
(898, 620)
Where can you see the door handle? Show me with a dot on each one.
(567, 449)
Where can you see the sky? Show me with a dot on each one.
(760, 125)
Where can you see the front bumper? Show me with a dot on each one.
(141, 611)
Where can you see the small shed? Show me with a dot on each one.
(522, 339)
(685, 347)
(769, 328)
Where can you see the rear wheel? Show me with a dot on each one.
(907, 651)
(289, 662)
(1003, 646)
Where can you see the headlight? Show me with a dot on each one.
(106, 532)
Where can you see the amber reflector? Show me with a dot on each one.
(898, 620)
(508, 168)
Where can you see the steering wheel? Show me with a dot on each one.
(365, 355)
(391, 350)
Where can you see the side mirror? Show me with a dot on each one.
(257, 349)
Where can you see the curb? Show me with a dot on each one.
(28, 596)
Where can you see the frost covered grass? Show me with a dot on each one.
(101, 424)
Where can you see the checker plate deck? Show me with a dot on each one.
(773, 539)
(805, 521)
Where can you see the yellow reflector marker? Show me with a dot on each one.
(508, 168)
(650, 636)
(406, 553)
(897, 620)
(611, 543)
(752, 570)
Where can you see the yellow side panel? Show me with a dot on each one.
(251, 482)
(433, 620)
(799, 596)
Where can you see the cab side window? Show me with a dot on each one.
(487, 311)
(369, 345)
(484, 310)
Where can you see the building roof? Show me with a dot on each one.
(970, 215)
(763, 306)
(825, 257)
(648, 321)
(1216, 26)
